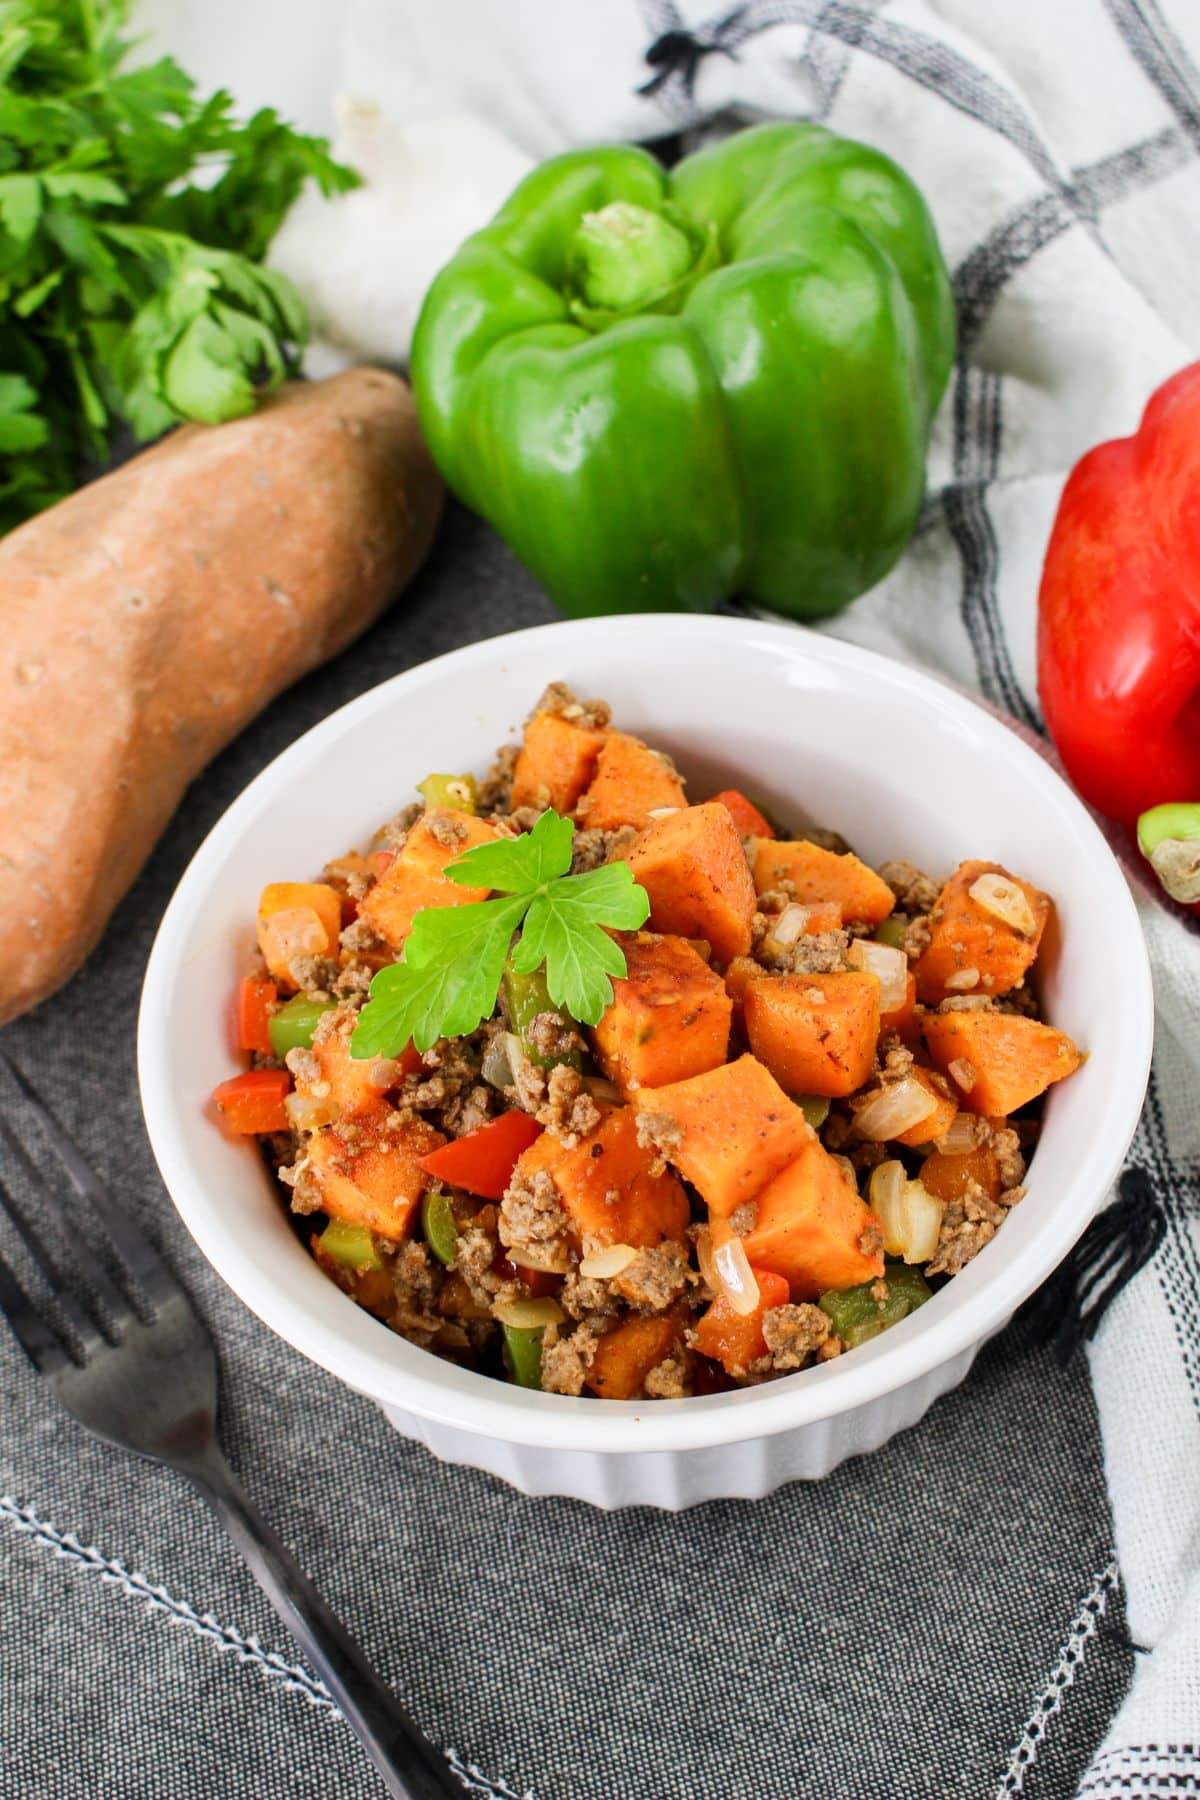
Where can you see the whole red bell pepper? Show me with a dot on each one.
(1119, 615)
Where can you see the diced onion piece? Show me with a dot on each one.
(964, 1074)
(496, 1068)
(600, 1089)
(529, 1315)
(1005, 901)
(791, 924)
(661, 812)
(962, 980)
(848, 1170)
(308, 1113)
(702, 947)
(540, 1258)
(603, 1265)
(909, 1215)
(962, 1134)
(735, 1277)
(894, 1109)
(889, 965)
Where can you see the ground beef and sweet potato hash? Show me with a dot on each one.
(807, 1105)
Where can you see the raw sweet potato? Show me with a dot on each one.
(903, 1019)
(369, 1172)
(816, 1033)
(631, 783)
(939, 1119)
(728, 1132)
(694, 869)
(736, 1339)
(297, 918)
(556, 762)
(998, 1061)
(415, 879)
(818, 874)
(947, 1177)
(669, 1016)
(813, 1228)
(973, 949)
(149, 617)
(626, 1354)
(605, 1185)
(745, 814)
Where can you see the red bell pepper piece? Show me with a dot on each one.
(483, 1161)
(254, 1002)
(1119, 612)
(746, 815)
(253, 1102)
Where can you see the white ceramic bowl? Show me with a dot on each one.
(899, 763)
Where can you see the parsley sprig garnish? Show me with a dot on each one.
(454, 956)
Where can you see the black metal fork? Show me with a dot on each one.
(135, 1365)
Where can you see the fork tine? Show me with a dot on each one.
(80, 1323)
(136, 1252)
(38, 1339)
(97, 1278)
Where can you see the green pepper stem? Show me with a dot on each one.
(1169, 837)
(624, 255)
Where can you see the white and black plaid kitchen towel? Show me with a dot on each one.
(1058, 143)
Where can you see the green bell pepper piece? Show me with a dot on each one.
(815, 1108)
(523, 1353)
(856, 1315)
(351, 1245)
(526, 997)
(891, 931)
(440, 1226)
(455, 791)
(291, 1026)
(664, 389)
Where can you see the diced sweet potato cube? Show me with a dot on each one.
(745, 814)
(735, 1339)
(947, 1177)
(605, 1185)
(813, 1228)
(940, 1118)
(626, 1354)
(816, 1033)
(967, 937)
(297, 918)
(903, 1019)
(415, 879)
(818, 874)
(669, 1016)
(556, 762)
(1010, 1059)
(738, 976)
(369, 1170)
(694, 869)
(728, 1132)
(630, 784)
(351, 1086)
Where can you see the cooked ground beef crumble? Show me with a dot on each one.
(539, 1258)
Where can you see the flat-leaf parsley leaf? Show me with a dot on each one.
(454, 957)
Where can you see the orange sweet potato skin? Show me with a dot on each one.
(626, 1354)
(605, 1184)
(1014, 1059)
(818, 874)
(556, 762)
(149, 617)
(816, 1033)
(694, 869)
(736, 1129)
(669, 1017)
(964, 935)
(814, 1229)
(369, 1175)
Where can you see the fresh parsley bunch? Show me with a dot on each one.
(454, 956)
(133, 215)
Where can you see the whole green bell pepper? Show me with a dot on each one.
(665, 389)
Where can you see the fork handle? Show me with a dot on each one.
(408, 1764)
